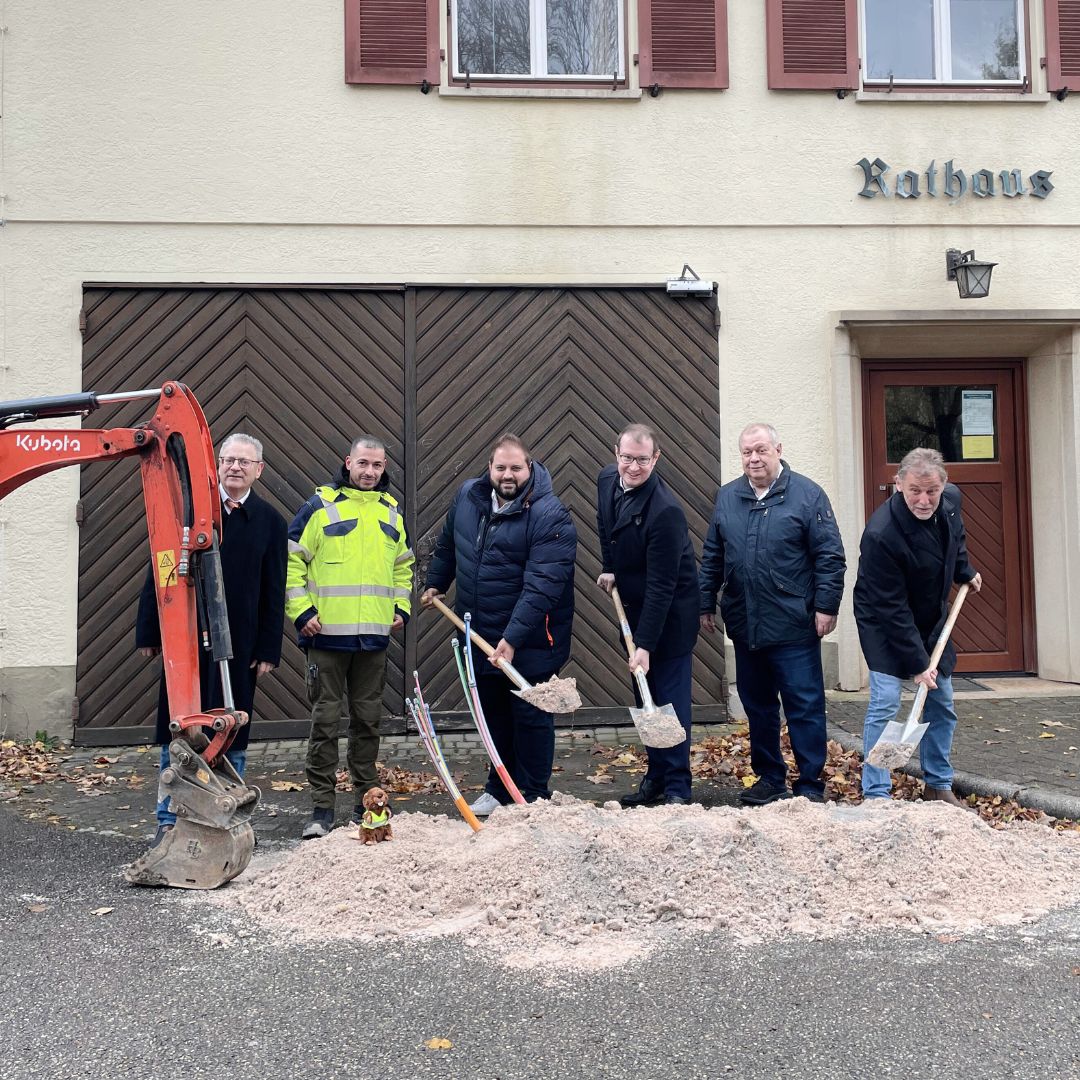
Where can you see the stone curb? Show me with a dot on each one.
(1034, 796)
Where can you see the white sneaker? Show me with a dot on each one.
(485, 805)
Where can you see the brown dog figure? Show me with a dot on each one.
(375, 824)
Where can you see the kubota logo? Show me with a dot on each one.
(33, 443)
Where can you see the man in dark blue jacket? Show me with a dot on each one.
(510, 545)
(774, 553)
(646, 552)
(912, 552)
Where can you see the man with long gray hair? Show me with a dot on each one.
(349, 587)
(912, 552)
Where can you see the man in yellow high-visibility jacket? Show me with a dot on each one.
(349, 587)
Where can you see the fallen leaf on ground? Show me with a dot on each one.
(103, 760)
(102, 911)
(1051, 723)
(1047, 735)
(948, 939)
(988, 1016)
(749, 780)
(438, 1044)
(1076, 970)
(37, 909)
(286, 785)
(600, 778)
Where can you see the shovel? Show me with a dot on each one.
(554, 696)
(658, 726)
(899, 740)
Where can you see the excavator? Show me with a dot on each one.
(213, 839)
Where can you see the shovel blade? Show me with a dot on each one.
(659, 726)
(194, 856)
(896, 745)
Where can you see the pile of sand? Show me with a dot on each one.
(568, 884)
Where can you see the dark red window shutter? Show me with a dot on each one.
(683, 43)
(1062, 44)
(392, 41)
(813, 44)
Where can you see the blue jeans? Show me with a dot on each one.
(669, 683)
(237, 758)
(935, 746)
(790, 674)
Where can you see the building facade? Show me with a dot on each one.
(443, 221)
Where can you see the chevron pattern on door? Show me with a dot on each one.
(304, 370)
(565, 369)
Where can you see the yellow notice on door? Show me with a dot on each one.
(977, 447)
(166, 567)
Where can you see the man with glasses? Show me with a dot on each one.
(349, 586)
(646, 552)
(253, 554)
(774, 553)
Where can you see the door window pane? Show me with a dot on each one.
(985, 39)
(583, 37)
(493, 37)
(960, 421)
(900, 39)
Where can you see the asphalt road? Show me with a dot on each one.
(162, 987)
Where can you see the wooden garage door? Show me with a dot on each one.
(302, 370)
(565, 369)
(439, 372)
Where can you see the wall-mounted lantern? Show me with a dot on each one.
(971, 276)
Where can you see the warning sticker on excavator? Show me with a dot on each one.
(166, 567)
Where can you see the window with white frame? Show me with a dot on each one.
(538, 39)
(944, 41)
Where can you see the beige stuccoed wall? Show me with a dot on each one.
(217, 141)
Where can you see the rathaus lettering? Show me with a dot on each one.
(954, 183)
(43, 442)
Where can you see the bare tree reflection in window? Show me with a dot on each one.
(493, 37)
(583, 37)
(923, 416)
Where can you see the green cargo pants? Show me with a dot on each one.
(357, 678)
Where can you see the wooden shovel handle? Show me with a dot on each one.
(950, 622)
(939, 647)
(436, 603)
(623, 624)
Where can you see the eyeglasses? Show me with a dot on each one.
(243, 462)
(627, 459)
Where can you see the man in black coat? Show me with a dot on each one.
(510, 545)
(912, 552)
(646, 552)
(254, 550)
(774, 553)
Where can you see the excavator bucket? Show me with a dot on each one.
(212, 840)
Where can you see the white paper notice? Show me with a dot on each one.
(977, 415)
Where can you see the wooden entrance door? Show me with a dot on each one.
(973, 412)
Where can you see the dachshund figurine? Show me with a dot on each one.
(375, 824)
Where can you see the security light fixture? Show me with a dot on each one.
(689, 284)
(971, 276)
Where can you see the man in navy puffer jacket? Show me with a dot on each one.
(774, 553)
(510, 545)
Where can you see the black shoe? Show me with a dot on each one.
(648, 794)
(810, 796)
(675, 800)
(322, 821)
(762, 792)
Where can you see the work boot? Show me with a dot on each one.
(647, 794)
(322, 821)
(675, 800)
(762, 792)
(945, 795)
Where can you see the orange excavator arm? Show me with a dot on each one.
(183, 516)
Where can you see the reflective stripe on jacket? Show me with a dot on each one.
(349, 562)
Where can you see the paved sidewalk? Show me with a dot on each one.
(1027, 747)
